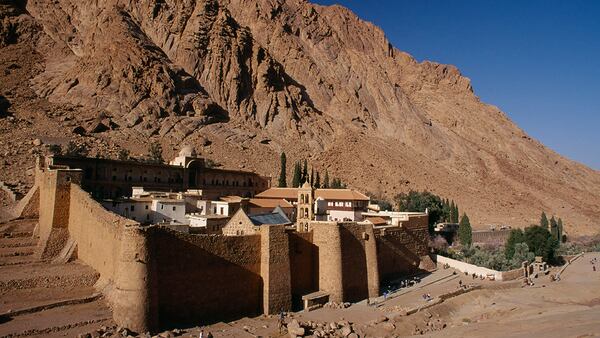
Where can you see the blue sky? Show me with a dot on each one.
(538, 60)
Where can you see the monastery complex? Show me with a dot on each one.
(181, 243)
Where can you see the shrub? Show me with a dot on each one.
(516, 236)
(521, 254)
(155, 153)
(439, 244)
(76, 150)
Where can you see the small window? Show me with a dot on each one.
(146, 208)
(132, 207)
(174, 208)
(162, 207)
(222, 211)
(148, 217)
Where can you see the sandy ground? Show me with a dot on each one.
(26, 282)
(569, 308)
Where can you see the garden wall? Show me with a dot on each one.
(468, 268)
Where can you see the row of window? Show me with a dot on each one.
(225, 182)
(339, 204)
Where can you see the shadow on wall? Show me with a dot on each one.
(398, 255)
(304, 267)
(354, 266)
(206, 278)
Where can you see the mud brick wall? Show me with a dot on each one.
(206, 278)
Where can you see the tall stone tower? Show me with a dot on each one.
(304, 207)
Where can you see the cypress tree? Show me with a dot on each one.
(560, 230)
(282, 174)
(304, 176)
(465, 233)
(312, 177)
(336, 183)
(446, 209)
(456, 213)
(453, 215)
(554, 228)
(317, 181)
(297, 178)
(544, 221)
(326, 180)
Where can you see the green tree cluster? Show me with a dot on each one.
(416, 201)
(450, 211)
(337, 183)
(555, 226)
(515, 237)
(301, 175)
(539, 241)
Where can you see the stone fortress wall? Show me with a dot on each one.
(154, 277)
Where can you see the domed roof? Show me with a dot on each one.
(187, 151)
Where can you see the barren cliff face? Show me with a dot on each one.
(243, 80)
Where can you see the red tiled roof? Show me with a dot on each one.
(279, 193)
(327, 194)
(270, 203)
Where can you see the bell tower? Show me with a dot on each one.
(304, 208)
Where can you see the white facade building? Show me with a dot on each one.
(149, 210)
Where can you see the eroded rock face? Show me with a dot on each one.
(257, 77)
(146, 60)
(15, 24)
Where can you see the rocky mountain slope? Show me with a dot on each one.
(242, 80)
